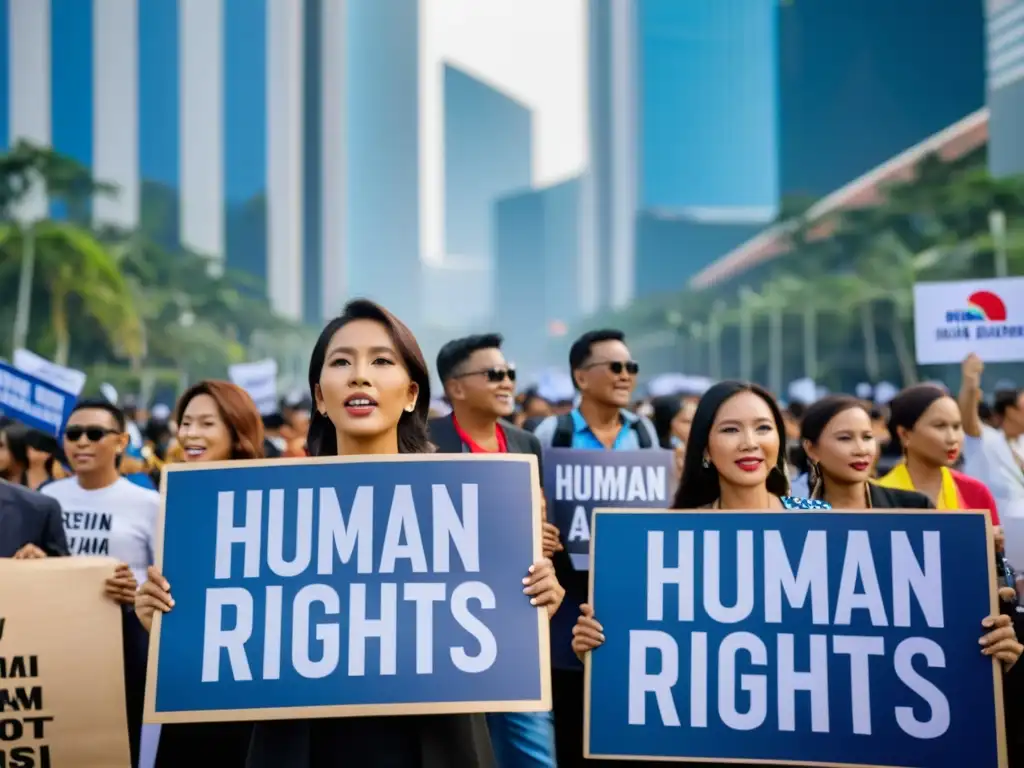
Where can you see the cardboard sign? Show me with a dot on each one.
(578, 481)
(811, 638)
(61, 670)
(349, 586)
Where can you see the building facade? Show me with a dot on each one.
(1005, 86)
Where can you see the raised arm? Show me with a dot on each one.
(970, 394)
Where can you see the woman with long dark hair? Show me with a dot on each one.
(371, 392)
(734, 457)
(734, 461)
(217, 421)
(839, 442)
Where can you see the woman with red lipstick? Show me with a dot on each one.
(217, 421)
(371, 389)
(839, 441)
(926, 423)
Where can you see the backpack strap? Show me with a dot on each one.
(643, 437)
(564, 429)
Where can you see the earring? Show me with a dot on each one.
(410, 408)
(706, 463)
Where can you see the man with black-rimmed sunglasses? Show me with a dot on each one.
(107, 514)
(604, 374)
(480, 386)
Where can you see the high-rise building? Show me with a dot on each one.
(488, 152)
(683, 122)
(708, 139)
(220, 121)
(382, 131)
(1005, 37)
(537, 265)
(861, 82)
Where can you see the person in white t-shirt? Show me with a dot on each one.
(105, 514)
(988, 452)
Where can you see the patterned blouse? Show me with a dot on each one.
(795, 502)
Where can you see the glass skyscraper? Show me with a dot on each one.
(1005, 35)
(683, 122)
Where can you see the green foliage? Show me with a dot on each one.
(855, 272)
(130, 306)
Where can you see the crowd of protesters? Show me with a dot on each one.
(736, 447)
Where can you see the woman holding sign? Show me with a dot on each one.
(217, 421)
(371, 389)
(733, 462)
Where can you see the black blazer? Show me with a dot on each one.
(893, 498)
(447, 440)
(29, 517)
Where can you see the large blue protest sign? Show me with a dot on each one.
(832, 638)
(578, 481)
(33, 402)
(335, 587)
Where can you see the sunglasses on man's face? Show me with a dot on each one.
(94, 434)
(618, 366)
(494, 375)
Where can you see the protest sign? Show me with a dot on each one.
(955, 318)
(349, 586)
(61, 671)
(578, 481)
(33, 402)
(813, 638)
(63, 378)
(259, 379)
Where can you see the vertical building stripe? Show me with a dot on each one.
(432, 236)
(623, 152)
(72, 93)
(29, 105)
(334, 168)
(115, 106)
(202, 126)
(245, 136)
(5, 75)
(284, 156)
(159, 121)
(311, 161)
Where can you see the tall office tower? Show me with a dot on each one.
(383, 155)
(1005, 37)
(196, 111)
(537, 264)
(488, 151)
(683, 122)
(861, 82)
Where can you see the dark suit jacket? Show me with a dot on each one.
(447, 440)
(29, 517)
(893, 498)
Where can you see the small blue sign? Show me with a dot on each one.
(579, 481)
(33, 402)
(818, 638)
(337, 587)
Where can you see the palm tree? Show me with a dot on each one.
(79, 275)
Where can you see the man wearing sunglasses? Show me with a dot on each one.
(107, 514)
(480, 386)
(604, 374)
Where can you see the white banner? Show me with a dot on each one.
(953, 319)
(65, 379)
(260, 381)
